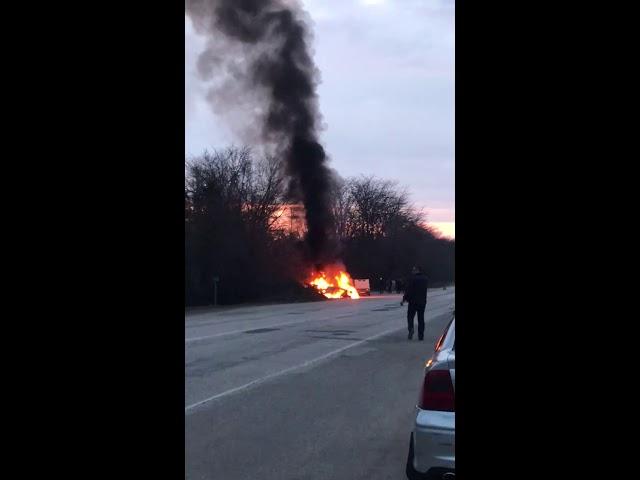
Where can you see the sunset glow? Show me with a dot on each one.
(447, 229)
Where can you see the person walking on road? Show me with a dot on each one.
(416, 295)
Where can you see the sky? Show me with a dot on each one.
(387, 96)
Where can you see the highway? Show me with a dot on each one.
(319, 390)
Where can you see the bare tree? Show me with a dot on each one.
(383, 234)
(342, 207)
(267, 193)
(230, 202)
(376, 205)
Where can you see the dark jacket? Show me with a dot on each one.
(416, 291)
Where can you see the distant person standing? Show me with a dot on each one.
(416, 295)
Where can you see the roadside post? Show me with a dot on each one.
(215, 290)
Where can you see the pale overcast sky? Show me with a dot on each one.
(387, 95)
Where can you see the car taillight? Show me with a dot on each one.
(437, 392)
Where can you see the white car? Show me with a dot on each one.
(432, 446)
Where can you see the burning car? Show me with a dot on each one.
(334, 282)
(336, 292)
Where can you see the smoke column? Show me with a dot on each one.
(258, 57)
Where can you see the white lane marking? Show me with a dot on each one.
(294, 322)
(290, 369)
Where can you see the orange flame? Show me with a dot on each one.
(339, 286)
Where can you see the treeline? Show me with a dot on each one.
(383, 235)
(233, 202)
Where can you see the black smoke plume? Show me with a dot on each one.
(258, 56)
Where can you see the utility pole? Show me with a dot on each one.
(215, 290)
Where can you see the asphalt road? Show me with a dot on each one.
(322, 390)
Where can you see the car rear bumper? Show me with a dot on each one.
(434, 441)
